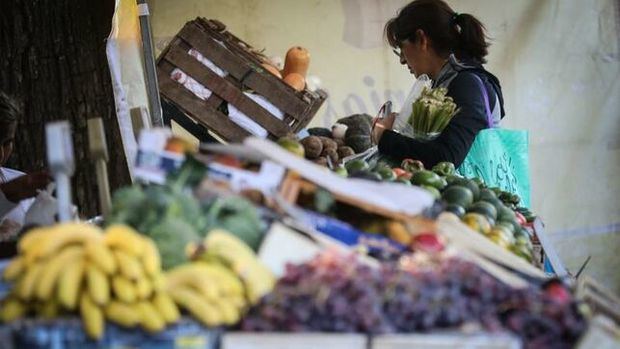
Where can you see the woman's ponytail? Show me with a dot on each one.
(471, 38)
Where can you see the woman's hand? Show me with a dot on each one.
(26, 186)
(380, 125)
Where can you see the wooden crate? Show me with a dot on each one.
(245, 73)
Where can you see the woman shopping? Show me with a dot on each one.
(450, 47)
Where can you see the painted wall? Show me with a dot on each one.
(558, 61)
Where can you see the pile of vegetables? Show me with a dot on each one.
(172, 216)
(431, 113)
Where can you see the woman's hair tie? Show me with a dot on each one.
(454, 18)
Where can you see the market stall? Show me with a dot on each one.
(285, 241)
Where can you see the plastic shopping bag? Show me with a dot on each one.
(401, 124)
(44, 209)
(500, 157)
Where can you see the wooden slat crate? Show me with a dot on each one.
(245, 73)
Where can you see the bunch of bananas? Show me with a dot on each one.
(222, 281)
(114, 275)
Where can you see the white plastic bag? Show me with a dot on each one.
(44, 209)
(401, 124)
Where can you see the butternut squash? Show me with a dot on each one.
(296, 81)
(296, 61)
(273, 70)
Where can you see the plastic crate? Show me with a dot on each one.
(246, 340)
(446, 341)
(67, 333)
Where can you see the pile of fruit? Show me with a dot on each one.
(333, 293)
(222, 281)
(114, 275)
(325, 147)
(491, 211)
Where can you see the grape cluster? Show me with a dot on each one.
(339, 294)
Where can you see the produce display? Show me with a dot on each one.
(333, 293)
(490, 211)
(110, 275)
(185, 249)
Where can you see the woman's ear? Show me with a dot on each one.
(422, 39)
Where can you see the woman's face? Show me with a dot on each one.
(6, 143)
(416, 55)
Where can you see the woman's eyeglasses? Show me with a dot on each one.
(397, 52)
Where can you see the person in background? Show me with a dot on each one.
(431, 38)
(17, 189)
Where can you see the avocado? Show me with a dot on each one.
(470, 184)
(479, 182)
(356, 165)
(506, 225)
(452, 179)
(341, 171)
(386, 173)
(458, 195)
(487, 194)
(365, 174)
(429, 178)
(432, 190)
(456, 209)
(403, 181)
(484, 208)
(292, 146)
(506, 214)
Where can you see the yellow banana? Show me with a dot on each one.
(92, 317)
(12, 309)
(230, 314)
(49, 310)
(27, 285)
(15, 268)
(31, 238)
(192, 275)
(124, 289)
(101, 255)
(149, 317)
(98, 284)
(166, 307)
(122, 314)
(233, 247)
(159, 282)
(238, 301)
(70, 283)
(198, 306)
(206, 289)
(52, 271)
(226, 279)
(124, 238)
(128, 265)
(62, 235)
(150, 258)
(144, 289)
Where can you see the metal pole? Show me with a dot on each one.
(150, 72)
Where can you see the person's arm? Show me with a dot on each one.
(6, 205)
(21, 188)
(454, 142)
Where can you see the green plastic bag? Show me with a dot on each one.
(500, 157)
